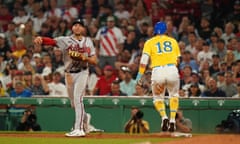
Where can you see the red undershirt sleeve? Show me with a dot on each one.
(48, 41)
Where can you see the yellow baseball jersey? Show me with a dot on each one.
(162, 50)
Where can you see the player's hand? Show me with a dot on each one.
(38, 40)
(140, 82)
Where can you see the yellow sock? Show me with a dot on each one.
(174, 102)
(160, 107)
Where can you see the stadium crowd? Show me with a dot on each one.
(208, 33)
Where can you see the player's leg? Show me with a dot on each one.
(79, 91)
(173, 84)
(69, 84)
(158, 90)
(159, 105)
(80, 81)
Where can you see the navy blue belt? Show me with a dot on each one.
(76, 71)
(164, 65)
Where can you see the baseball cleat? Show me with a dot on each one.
(165, 124)
(172, 127)
(76, 133)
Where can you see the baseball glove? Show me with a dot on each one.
(158, 88)
(75, 55)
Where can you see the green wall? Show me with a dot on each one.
(111, 113)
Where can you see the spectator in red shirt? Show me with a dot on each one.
(5, 18)
(103, 86)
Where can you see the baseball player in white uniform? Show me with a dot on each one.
(78, 53)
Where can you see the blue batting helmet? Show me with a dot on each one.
(160, 28)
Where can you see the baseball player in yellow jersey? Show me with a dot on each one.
(162, 52)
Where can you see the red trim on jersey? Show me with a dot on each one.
(48, 41)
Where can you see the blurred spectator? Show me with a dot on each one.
(171, 31)
(39, 19)
(220, 79)
(47, 61)
(218, 31)
(238, 31)
(62, 29)
(204, 66)
(195, 79)
(29, 7)
(21, 17)
(121, 12)
(229, 87)
(221, 49)
(10, 32)
(213, 41)
(28, 33)
(186, 75)
(223, 66)
(214, 67)
(57, 60)
(140, 12)
(109, 42)
(20, 91)
(237, 95)
(56, 87)
(228, 32)
(89, 8)
(103, 86)
(3, 46)
(205, 74)
(70, 12)
(229, 59)
(205, 54)
(5, 18)
(28, 122)
(25, 64)
(38, 63)
(39, 86)
(182, 29)
(2, 63)
(3, 91)
(183, 124)
(236, 71)
(194, 90)
(136, 124)
(28, 79)
(236, 51)
(105, 11)
(19, 49)
(45, 30)
(212, 89)
(191, 46)
(54, 13)
(127, 85)
(139, 91)
(115, 89)
(205, 28)
(187, 60)
(156, 13)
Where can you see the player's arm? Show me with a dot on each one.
(44, 40)
(92, 60)
(142, 66)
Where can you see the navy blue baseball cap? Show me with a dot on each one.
(78, 21)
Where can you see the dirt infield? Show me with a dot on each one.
(195, 139)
